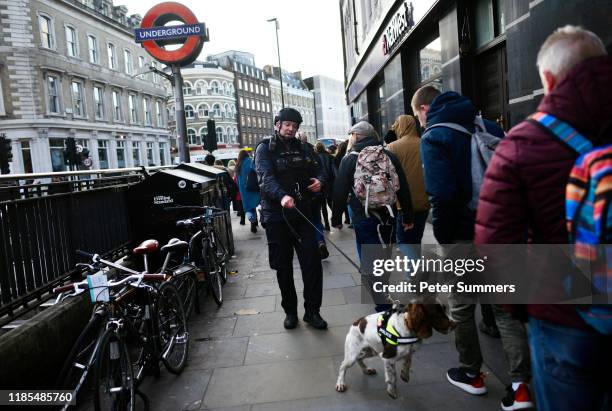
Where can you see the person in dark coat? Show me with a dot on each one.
(446, 155)
(327, 164)
(340, 153)
(250, 199)
(524, 191)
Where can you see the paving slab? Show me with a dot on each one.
(177, 392)
(230, 308)
(334, 296)
(278, 381)
(201, 326)
(209, 353)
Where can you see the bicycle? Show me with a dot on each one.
(151, 317)
(206, 250)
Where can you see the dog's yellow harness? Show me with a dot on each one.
(387, 332)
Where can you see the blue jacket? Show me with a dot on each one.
(250, 199)
(446, 160)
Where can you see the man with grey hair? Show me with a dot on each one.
(372, 226)
(523, 193)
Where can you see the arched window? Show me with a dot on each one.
(203, 110)
(235, 135)
(219, 131)
(214, 87)
(189, 111)
(233, 109)
(191, 136)
(200, 87)
(217, 110)
(203, 134)
(228, 112)
(187, 88)
(231, 89)
(228, 134)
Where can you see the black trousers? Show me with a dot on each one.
(281, 243)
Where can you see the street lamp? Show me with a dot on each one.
(279, 61)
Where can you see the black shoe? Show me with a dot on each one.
(350, 226)
(490, 330)
(291, 321)
(242, 222)
(473, 385)
(253, 227)
(315, 320)
(323, 250)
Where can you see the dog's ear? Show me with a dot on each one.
(439, 318)
(418, 321)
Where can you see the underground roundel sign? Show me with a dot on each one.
(154, 35)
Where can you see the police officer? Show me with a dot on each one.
(289, 174)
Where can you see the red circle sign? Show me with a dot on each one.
(162, 14)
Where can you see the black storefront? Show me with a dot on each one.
(484, 49)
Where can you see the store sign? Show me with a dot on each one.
(400, 24)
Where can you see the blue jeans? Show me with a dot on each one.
(366, 232)
(571, 367)
(409, 242)
(251, 215)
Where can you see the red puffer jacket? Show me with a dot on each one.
(523, 194)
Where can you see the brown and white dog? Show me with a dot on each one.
(363, 341)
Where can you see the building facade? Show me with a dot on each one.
(70, 69)
(484, 49)
(208, 93)
(331, 112)
(295, 95)
(253, 96)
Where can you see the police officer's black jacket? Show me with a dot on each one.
(343, 186)
(285, 168)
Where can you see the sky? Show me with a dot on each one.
(309, 31)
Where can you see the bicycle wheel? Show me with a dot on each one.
(221, 257)
(186, 286)
(213, 273)
(113, 376)
(172, 329)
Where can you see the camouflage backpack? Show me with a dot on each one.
(375, 181)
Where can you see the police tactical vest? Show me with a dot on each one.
(292, 165)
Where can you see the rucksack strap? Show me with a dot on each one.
(563, 132)
(452, 126)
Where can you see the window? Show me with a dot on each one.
(77, 99)
(56, 149)
(251, 86)
(200, 87)
(71, 42)
(116, 105)
(129, 64)
(203, 111)
(112, 56)
(214, 86)
(47, 39)
(266, 92)
(489, 17)
(187, 89)
(219, 132)
(133, 106)
(103, 154)
(268, 107)
(162, 154)
(121, 154)
(155, 75)
(141, 64)
(242, 120)
(53, 95)
(191, 137)
(98, 95)
(217, 110)
(92, 45)
(248, 105)
(189, 111)
(146, 106)
(203, 134)
(158, 111)
(150, 157)
(258, 106)
(256, 88)
(239, 84)
(136, 153)
(241, 102)
(430, 63)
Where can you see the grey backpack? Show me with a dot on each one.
(482, 148)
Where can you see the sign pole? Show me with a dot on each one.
(181, 123)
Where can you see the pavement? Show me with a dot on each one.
(241, 358)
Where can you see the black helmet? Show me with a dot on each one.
(290, 114)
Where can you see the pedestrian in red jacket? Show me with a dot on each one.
(524, 192)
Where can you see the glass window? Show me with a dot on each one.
(71, 42)
(189, 111)
(53, 96)
(150, 157)
(141, 64)
(77, 99)
(56, 149)
(162, 154)
(121, 154)
(214, 86)
(133, 109)
(484, 22)
(217, 110)
(191, 137)
(219, 132)
(46, 32)
(116, 106)
(92, 45)
(155, 75)
(203, 134)
(160, 118)
(202, 111)
(129, 64)
(98, 102)
(146, 106)
(26, 154)
(103, 154)
(136, 153)
(187, 89)
(112, 56)
(430, 62)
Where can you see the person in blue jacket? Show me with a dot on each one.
(250, 198)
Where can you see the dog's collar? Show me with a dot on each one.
(387, 332)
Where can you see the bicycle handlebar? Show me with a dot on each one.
(134, 278)
(86, 254)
